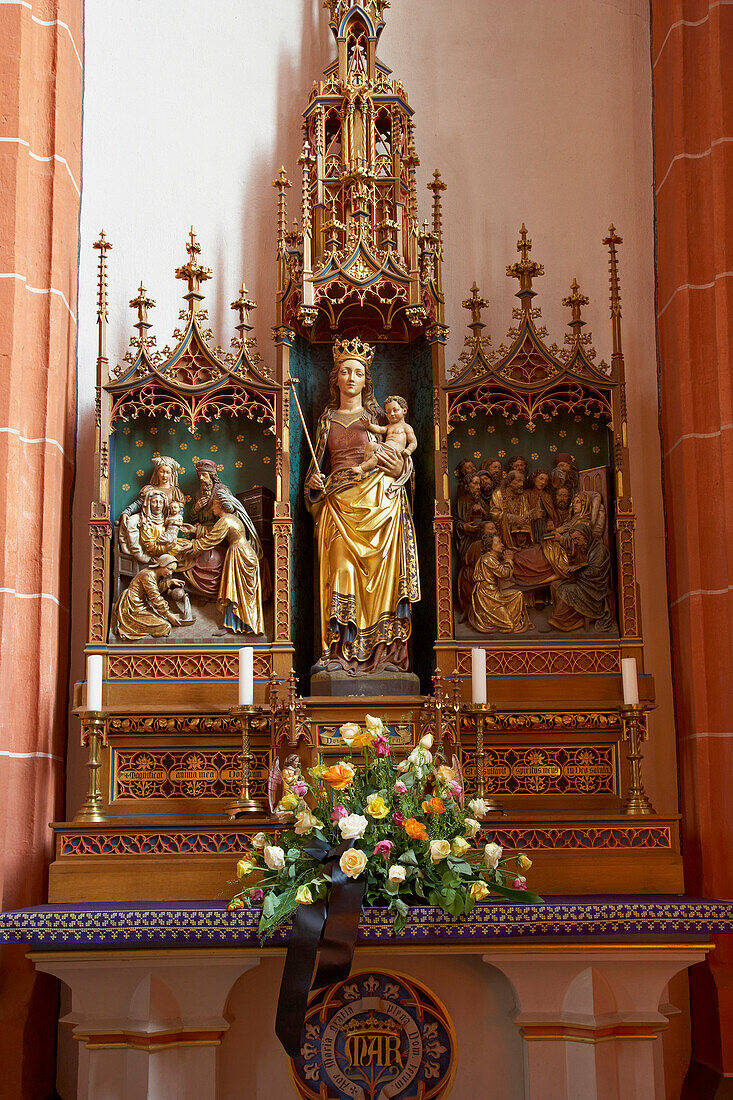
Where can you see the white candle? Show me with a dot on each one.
(246, 676)
(630, 680)
(478, 675)
(94, 682)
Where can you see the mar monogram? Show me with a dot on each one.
(376, 1036)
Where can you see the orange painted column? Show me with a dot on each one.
(692, 55)
(40, 162)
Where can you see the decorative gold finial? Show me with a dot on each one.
(525, 270)
(142, 303)
(575, 302)
(193, 247)
(193, 272)
(243, 305)
(475, 303)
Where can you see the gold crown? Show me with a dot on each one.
(371, 1026)
(353, 349)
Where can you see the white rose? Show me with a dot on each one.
(492, 855)
(478, 807)
(353, 827)
(472, 827)
(305, 821)
(426, 742)
(396, 873)
(349, 731)
(374, 725)
(274, 857)
(259, 841)
(439, 849)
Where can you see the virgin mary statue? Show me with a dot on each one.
(366, 539)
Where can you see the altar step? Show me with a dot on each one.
(177, 859)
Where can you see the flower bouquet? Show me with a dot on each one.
(404, 830)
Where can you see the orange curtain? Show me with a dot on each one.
(40, 170)
(692, 55)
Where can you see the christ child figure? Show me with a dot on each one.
(398, 435)
(174, 523)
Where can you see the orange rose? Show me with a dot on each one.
(434, 806)
(339, 776)
(415, 829)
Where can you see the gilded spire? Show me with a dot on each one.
(525, 270)
(193, 272)
(436, 185)
(103, 246)
(611, 241)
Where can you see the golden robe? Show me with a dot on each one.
(240, 596)
(491, 608)
(141, 611)
(516, 532)
(367, 556)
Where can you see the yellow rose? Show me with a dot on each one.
(479, 891)
(304, 896)
(523, 862)
(439, 850)
(459, 847)
(446, 775)
(376, 806)
(289, 802)
(354, 736)
(353, 862)
(245, 867)
(305, 821)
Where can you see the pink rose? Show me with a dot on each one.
(456, 790)
(299, 788)
(338, 812)
(399, 787)
(383, 848)
(520, 883)
(398, 818)
(256, 894)
(380, 744)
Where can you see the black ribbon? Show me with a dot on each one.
(331, 925)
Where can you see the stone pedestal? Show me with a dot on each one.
(375, 685)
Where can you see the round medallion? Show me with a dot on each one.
(377, 1036)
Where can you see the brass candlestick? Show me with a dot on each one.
(479, 711)
(637, 804)
(93, 733)
(245, 804)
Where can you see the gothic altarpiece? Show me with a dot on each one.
(511, 515)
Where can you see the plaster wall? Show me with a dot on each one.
(534, 112)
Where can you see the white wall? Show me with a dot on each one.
(534, 111)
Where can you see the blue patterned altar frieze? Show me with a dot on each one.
(563, 837)
(190, 924)
(400, 733)
(546, 769)
(210, 772)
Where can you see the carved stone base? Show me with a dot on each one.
(375, 685)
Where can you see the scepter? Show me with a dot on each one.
(291, 382)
